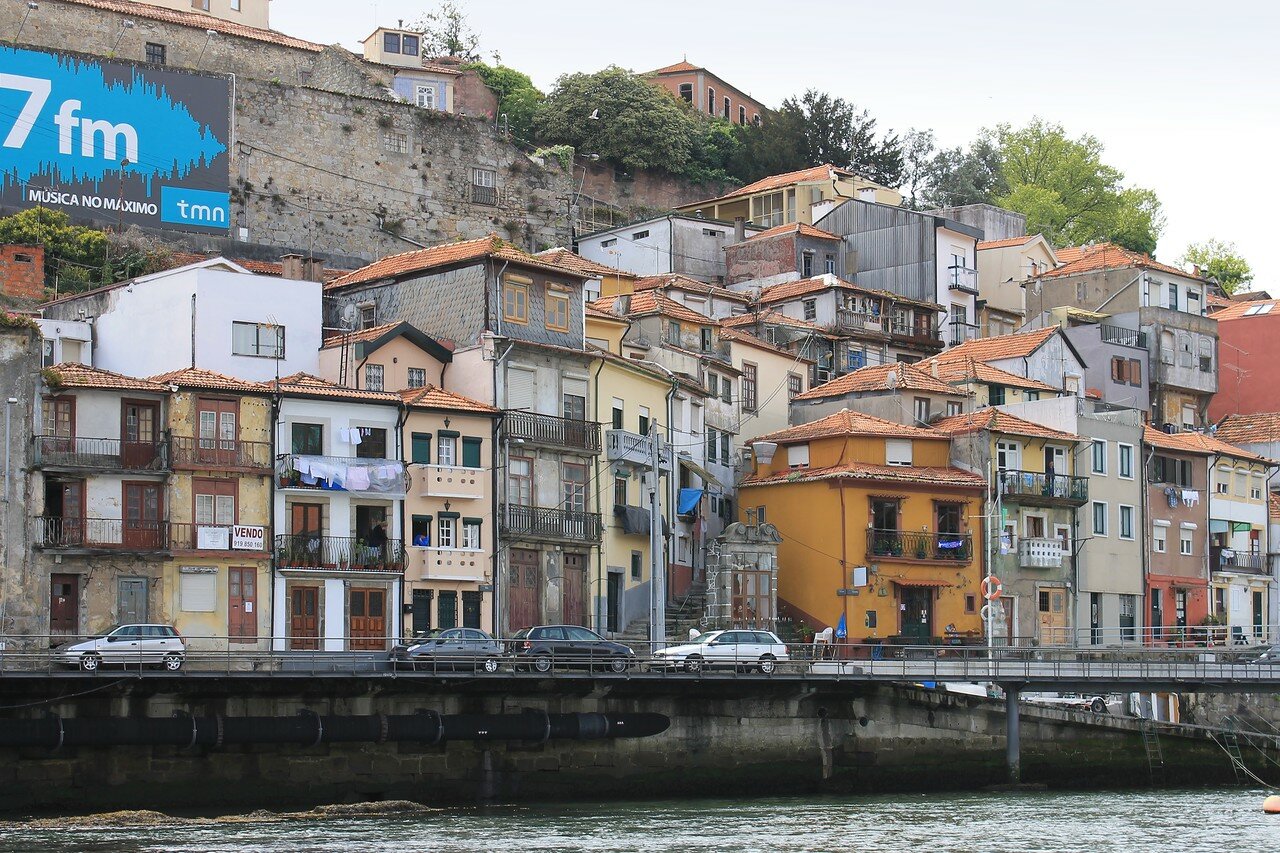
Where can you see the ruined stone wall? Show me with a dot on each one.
(22, 596)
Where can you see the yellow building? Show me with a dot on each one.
(602, 280)
(877, 528)
(771, 379)
(219, 573)
(449, 574)
(793, 197)
(987, 385)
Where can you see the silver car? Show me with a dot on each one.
(740, 649)
(127, 645)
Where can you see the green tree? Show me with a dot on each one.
(518, 98)
(833, 130)
(1220, 260)
(956, 176)
(447, 32)
(623, 118)
(772, 147)
(75, 257)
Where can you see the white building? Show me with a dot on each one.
(675, 243)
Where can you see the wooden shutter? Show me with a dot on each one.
(471, 452)
(421, 448)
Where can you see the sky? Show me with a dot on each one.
(1184, 96)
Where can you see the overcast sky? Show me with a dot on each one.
(1185, 96)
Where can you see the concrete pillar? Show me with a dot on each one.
(1013, 735)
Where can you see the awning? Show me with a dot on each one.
(1216, 526)
(913, 582)
(1241, 527)
(688, 501)
(701, 472)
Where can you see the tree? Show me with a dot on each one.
(772, 147)
(832, 130)
(446, 32)
(75, 257)
(958, 177)
(623, 118)
(1220, 260)
(518, 98)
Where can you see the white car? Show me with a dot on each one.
(741, 649)
(127, 645)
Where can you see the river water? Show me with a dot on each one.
(1229, 821)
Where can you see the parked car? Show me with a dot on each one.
(740, 649)
(127, 645)
(452, 648)
(1096, 703)
(546, 646)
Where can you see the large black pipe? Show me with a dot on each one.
(311, 729)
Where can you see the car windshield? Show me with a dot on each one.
(702, 639)
(522, 633)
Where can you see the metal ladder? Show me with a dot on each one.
(1151, 743)
(1230, 742)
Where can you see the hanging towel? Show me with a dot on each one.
(357, 479)
(355, 437)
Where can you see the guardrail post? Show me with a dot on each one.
(1013, 734)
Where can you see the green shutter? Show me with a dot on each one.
(471, 452)
(421, 448)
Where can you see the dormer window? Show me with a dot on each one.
(706, 340)
(897, 451)
(798, 456)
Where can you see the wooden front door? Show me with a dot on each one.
(573, 589)
(139, 433)
(64, 512)
(242, 604)
(64, 604)
(1052, 612)
(143, 516)
(131, 606)
(216, 443)
(613, 602)
(304, 617)
(524, 589)
(916, 609)
(367, 618)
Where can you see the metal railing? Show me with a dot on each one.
(204, 453)
(1037, 487)
(962, 278)
(1229, 560)
(56, 532)
(564, 524)
(961, 332)
(1123, 336)
(914, 545)
(100, 453)
(339, 473)
(184, 535)
(633, 448)
(484, 195)
(857, 321)
(917, 334)
(552, 431)
(338, 553)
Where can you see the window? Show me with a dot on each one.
(711, 100)
(417, 377)
(727, 106)
(954, 408)
(1241, 482)
(426, 97)
(395, 142)
(1119, 369)
(471, 448)
(558, 312)
(1008, 456)
(1222, 483)
(811, 309)
(420, 448)
(408, 45)
(673, 332)
(373, 377)
(798, 456)
(1135, 372)
(726, 389)
(618, 414)
(46, 353)
(60, 420)
(806, 265)
(921, 410)
(612, 241)
(726, 447)
(446, 531)
(643, 420)
(447, 450)
(1158, 537)
(1126, 461)
(995, 395)
(620, 491)
(706, 340)
(1255, 487)
(515, 300)
(1126, 522)
(948, 518)
(308, 439)
(1099, 457)
(795, 384)
(1128, 617)
(520, 477)
(373, 443)
(1099, 518)
(215, 502)
(711, 444)
(391, 42)
(897, 451)
(155, 53)
(484, 186)
(1173, 296)
(368, 315)
(686, 92)
(742, 115)
(235, 5)
(636, 558)
(830, 265)
(199, 592)
(263, 340)
(574, 483)
(750, 374)
(769, 210)
(573, 406)
(640, 235)
(1184, 543)
(201, 5)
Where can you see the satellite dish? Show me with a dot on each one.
(349, 313)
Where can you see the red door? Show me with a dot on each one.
(64, 604)
(304, 617)
(572, 589)
(216, 444)
(367, 613)
(242, 605)
(65, 507)
(305, 544)
(139, 434)
(523, 590)
(143, 516)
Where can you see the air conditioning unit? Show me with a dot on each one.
(823, 374)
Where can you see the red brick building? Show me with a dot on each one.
(708, 93)
(22, 272)
(1249, 349)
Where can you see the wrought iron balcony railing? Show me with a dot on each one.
(54, 451)
(112, 534)
(563, 524)
(1123, 336)
(551, 431)
(338, 553)
(1228, 560)
(1038, 488)
(208, 453)
(918, 545)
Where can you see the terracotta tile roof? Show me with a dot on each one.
(1109, 256)
(596, 313)
(420, 260)
(429, 67)
(676, 281)
(961, 370)
(1273, 505)
(999, 421)
(83, 376)
(272, 268)
(923, 475)
(802, 287)
(1258, 427)
(1247, 310)
(306, 385)
(1001, 347)
(773, 318)
(795, 228)
(800, 176)
(847, 423)
(683, 65)
(1067, 254)
(195, 377)
(1006, 243)
(334, 339)
(431, 397)
(1175, 442)
(1199, 442)
(651, 302)
(752, 340)
(1215, 301)
(882, 377)
(562, 257)
(194, 19)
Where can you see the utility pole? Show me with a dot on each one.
(657, 550)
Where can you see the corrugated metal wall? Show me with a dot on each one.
(887, 248)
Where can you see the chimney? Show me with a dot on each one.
(22, 272)
(739, 229)
(313, 269)
(291, 267)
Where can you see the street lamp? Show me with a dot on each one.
(31, 7)
(124, 25)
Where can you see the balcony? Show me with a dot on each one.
(916, 546)
(855, 322)
(962, 279)
(1034, 488)
(337, 553)
(917, 335)
(632, 448)
(383, 477)
(1122, 336)
(442, 481)
(484, 195)
(101, 454)
(961, 332)
(556, 524)
(100, 534)
(550, 431)
(1239, 562)
(205, 454)
(1040, 553)
(244, 538)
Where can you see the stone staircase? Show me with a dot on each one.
(682, 615)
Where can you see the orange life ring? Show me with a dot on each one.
(991, 587)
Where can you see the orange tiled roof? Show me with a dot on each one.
(1110, 256)
(431, 397)
(1017, 345)
(1067, 254)
(333, 339)
(971, 370)
(1273, 504)
(802, 287)
(774, 318)
(83, 376)
(999, 421)
(1007, 242)
(196, 377)
(653, 302)
(844, 423)
(1247, 310)
(1200, 442)
(683, 65)
(752, 340)
(592, 311)
(562, 257)
(796, 228)
(881, 377)
(676, 281)
(923, 475)
(273, 268)
(195, 19)
(1175, 442)
(306, 385)
(420, 260)
(800, 176)
(1255, 427)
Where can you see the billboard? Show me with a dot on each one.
(113, 141)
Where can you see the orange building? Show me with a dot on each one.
(708, 93)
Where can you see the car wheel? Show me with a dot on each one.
(693, 663)
(767, 665)
(618, 664)
(542, 663)
(1098, 706)
(172, 663)
(490, 665)
(90, 663)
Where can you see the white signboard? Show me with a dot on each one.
(213, 538)
(246, 537)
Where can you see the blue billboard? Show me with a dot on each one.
(112, 141)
